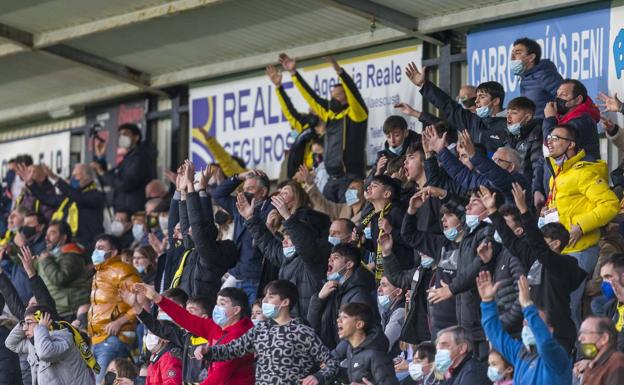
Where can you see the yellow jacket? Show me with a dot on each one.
(582, 197)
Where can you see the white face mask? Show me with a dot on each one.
(117, 228)
(151, 342)
(415, 371)
(124, 141)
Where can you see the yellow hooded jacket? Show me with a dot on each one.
(582, 197)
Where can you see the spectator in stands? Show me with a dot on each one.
(398, 140)
(580, 198)
(347, 281)
(62, 268)
(80, 204)
(484, 126)
(539, 358)
(123, 371)
(500, 372)
(598, 345)
(346, 117)
(391, 303)
(467, 97)
(129, 178)
(56, 352)
(111, 321)
(575, 108)
(421, 369)
(156, 188)
(144, 261)
(366, 355)
(539, 78)
(9, 360)
(454, 358)
(255, 186)
(611, 274)
(32, 233)
(300, 351)
(121, 227)
(165, 365)
(34, 177)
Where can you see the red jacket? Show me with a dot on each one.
(238, 371)
(164, 369)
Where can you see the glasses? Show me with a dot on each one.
(27, 323)
(556, 138)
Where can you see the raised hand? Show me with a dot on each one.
(485, 251)
(189, 174)
(129, 297)
(608, 125)
(28, 261)
(25, 172)
(524, 295)
(381, 165)
(49, 173)
(244, 207)
(328, 288)
(306, 175)
(436, 144)
(417, 201)
(609, 103)
(275, 75)
(406, 109)
(386, 243)
(519, 198)
(415, 76)
(148, 291)
(334, 63)
(487, 290)
(288, 63)
(201, 351)
(157, 245)
(489, 199)
(281, 206)
(46, 320)
(436, 295)
(466, 142)
(170, 175)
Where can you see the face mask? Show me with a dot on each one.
(451, 234)
(289, 251)
(351, 196)
(335, 106)
(333, 240)
(269, 310)
(514, 129)
(219, 316)
(256, 321)
(141, 269)
(607, 290)
(528, 339)
(516, 67)
(443, 360)
(426, 261)
(561, 160)
(493, 374)
(163, 222)
(396, 150)
(317, 159)
(541, 222)
(562, 109)
(589, 350)
(137, 232)
(109, 378)
(467, 103)
(117, 228)
(221, 217)
(74, 183)
(98, 256)
(497, 237)
(56, 250)
(384, 301)
(336, 275)
(124, 141)
(28, 231)
(472, 221)
(483, 111)
(368, 233)
(415, 371)
(151, 342)
(249, 196)
(162, 316)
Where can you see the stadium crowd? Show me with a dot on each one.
(486, 249)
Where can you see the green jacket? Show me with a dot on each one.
(67, 279)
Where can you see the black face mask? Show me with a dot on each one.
(336, 106)
(109, 378)
(317, 159)
(221, 217)
(249, 196)
(562, 109)
(28, 231)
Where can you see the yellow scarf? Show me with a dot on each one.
(72, 212)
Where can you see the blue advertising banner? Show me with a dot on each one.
(576, 41)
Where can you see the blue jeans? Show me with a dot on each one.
(587, 260)
(250, 287)
(107, 351)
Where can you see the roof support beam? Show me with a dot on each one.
(387, 16)
(118, 21)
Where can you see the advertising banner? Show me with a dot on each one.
(245, 116)
(52, 150)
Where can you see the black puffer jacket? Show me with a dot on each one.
(322, 313)
(529, 145)
(507, 271)
(368, 360)
(412, 137)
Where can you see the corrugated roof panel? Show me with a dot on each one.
(425, 8)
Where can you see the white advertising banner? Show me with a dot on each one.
(52, 150)
(245, 116)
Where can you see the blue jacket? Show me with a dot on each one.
(249, 265)
(551, 365)
(540, 84)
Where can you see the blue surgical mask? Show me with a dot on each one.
(607, 290)
(337, 275)
(451, 234)
(497, 237)
(137, 231)
(516, 67)
(269, 310)
(289, 251)
(74, 183)
(443, 360)
(368, 234)
(384, 301)
(541, 222)
(219, 316)
(494, 375)
(333, 240)
(415, 371)
(483, 111)
(528, 339)
(472, 221)
(141, 269)
(98, 256)
(162, 316)
(256, 321)
(396, 150)
(514, 129)
(351, 196)
(426, 261)
(56, 250)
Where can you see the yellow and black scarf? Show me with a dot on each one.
(379, 256)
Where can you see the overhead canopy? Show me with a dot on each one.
(56, 54)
